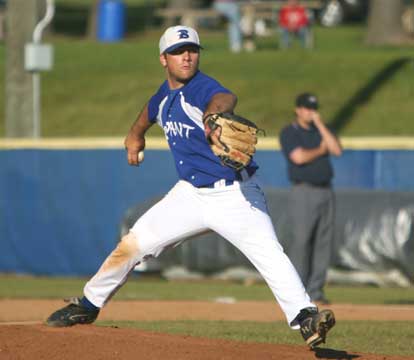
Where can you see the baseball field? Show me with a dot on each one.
(96, 90)
(152, 318)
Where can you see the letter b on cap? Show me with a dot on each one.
(183, 34)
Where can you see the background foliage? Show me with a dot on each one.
(96, 89)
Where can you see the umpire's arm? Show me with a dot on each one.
(135, 139)
(333, 146)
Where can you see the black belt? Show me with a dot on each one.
(242, 175)
(213, 185)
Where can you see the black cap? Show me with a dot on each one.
(308, 101)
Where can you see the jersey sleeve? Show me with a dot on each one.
(209, 87)
(289, 140)
(155, 101)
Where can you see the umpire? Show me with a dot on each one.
(307, 145)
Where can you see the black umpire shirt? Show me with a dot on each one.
(318, 172)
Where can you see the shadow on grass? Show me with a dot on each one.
(323, 353)
(400, 302)
(363, 95)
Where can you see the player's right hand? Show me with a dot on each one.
(133, 146)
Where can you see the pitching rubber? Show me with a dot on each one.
(325, 322)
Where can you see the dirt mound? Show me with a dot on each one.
(92, 342)
(22, 336)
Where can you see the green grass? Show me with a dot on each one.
(97, 89)
(378, 337)
(143, 288)
(362, 336)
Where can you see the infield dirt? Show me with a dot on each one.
(23, 336)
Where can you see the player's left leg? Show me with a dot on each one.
(241, 217)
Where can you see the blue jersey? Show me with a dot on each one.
(179, 112)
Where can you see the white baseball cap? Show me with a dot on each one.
(177, 36)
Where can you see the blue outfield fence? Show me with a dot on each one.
(60, 209)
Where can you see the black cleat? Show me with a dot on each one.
(315, 325)
(72, 314)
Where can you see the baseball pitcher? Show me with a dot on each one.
(217, 190)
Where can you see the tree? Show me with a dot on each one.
(93, 20)
(21, 16)
(385, 23)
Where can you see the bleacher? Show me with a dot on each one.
(252, 12)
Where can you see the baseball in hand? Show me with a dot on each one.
(140, 157)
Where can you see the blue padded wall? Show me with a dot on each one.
(60, 210)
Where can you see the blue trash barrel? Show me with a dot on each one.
(111, 20)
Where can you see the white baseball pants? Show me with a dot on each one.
(237, 212)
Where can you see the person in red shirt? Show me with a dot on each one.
(294, 20)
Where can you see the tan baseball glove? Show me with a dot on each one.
(232, 138)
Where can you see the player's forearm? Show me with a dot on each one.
(135, 139)
(221, 102)
(141, 124)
